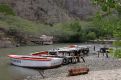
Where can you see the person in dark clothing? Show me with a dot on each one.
(94, 48)
(104, 51)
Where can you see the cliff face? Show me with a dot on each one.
(51, 11)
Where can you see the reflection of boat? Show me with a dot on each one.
(35, 61)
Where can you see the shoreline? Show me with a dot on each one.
(101, 68)
(93, 75)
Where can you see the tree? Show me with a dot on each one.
(75, 30)
(108, 6)
(91, 36)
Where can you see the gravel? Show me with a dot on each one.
(94, 75)
(101, 68)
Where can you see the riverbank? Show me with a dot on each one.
(10, 72)
(101, 68)
(94, 75)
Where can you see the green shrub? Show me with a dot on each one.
(91, 36)
(117, 43)
(68, 31)
(117, 53)
(6, 9)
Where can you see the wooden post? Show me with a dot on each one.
(98, 52)
(106, 54)
(41, 72)
(82, 59)
(74, 60)
(94, 48)
(78, 59)
(81, 56)
(103, 53)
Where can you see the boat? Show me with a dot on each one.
(42, 53)
(35, 61)
(57, 52)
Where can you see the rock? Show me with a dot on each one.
(52, 11)
(4, 40)
(5, 44)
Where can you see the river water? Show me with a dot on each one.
(10, 72)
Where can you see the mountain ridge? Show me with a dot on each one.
(52, 11)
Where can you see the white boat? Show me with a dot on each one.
(35, 61)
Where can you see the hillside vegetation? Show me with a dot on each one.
(69, 31)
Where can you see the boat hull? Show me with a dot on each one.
(54, 62)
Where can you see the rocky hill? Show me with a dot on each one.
(15, 30)
(52, 11)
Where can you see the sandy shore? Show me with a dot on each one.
(101, 68)
(93, 75)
